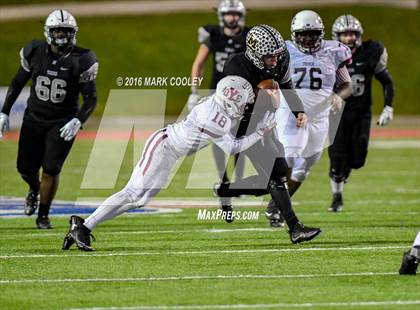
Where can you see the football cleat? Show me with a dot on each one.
(43, 222)
(300, 233)
(337, 203)
(31, 203)
(410, 262)
(274, 216)
(67, 242)
(79, 233)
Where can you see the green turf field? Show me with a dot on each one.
(166, 44)
(146, 261)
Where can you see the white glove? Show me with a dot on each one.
(335, 102)
(386, 116)
(267, 123)
(4, 123)
(69, 130)
(192, 101)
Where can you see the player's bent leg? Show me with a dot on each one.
(220, 160)
(411, 259)
(297, 231)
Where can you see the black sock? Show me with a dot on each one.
(282, 200)
(43, 210)
(33, 181)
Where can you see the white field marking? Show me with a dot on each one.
(264, 306)
(367, 248)
(204, 277)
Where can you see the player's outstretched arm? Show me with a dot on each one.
(197, 71)
(231, 145)
(388, 87)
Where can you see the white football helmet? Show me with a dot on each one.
(234, 6)
(263, 40)
(60, 19)
(346, 23)
(306, 21)
(232, 94)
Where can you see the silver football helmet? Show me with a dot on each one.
(307, 21)
(232, 94)
(60, 19)
(346, 23)
(228, 6)
(263, 40)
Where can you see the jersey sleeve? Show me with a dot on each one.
(88, 65)
(204, 35)
(342, 54)
(382, 61)
(284, 76)
(26, 54)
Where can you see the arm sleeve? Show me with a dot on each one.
(342, 76)
(231, 145)
(87, 81)
(88, 91)
(388, 86)
(18, 82)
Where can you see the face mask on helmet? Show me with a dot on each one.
(349, 38)
(231, 19)
(309, 40)
(62, 37)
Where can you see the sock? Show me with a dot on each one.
(417, 240)
(337, 187)
(32, 180)
(43, 210)
(282, 200)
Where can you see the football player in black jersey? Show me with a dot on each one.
(350, 146)
(221, 41)
(266, 58)
(59, 71)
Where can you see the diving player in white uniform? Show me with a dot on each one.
(322, 81)
(209, 121)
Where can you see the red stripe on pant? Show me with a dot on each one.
(152, 151)
(146, 148)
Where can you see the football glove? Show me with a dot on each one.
(70, 130)
(386, 116)
(4, 123)
(192, 101)
(267, 123)
(335, 102)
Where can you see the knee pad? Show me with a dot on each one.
(339, 175)
(52, 171)
(279, 184)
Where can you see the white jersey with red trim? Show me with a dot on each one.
(314, 75)
(207, 122)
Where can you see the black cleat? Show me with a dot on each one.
(337, 203)
(300, 233)
(79, 233)
(43, 222)
(410, 262)
(31, 203)
(274, 216)
(67, 242)
(221, 191)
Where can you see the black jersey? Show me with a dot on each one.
(239, 64)
(221, 46)
(369, 59)
(56, 80)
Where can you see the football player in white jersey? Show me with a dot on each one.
(321, 78)
(209, 121)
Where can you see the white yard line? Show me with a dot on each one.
(204, 277)
(217, 252)
(264, 306)
(110, 8)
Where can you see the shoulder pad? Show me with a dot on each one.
(205, 33)
(27, 52)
